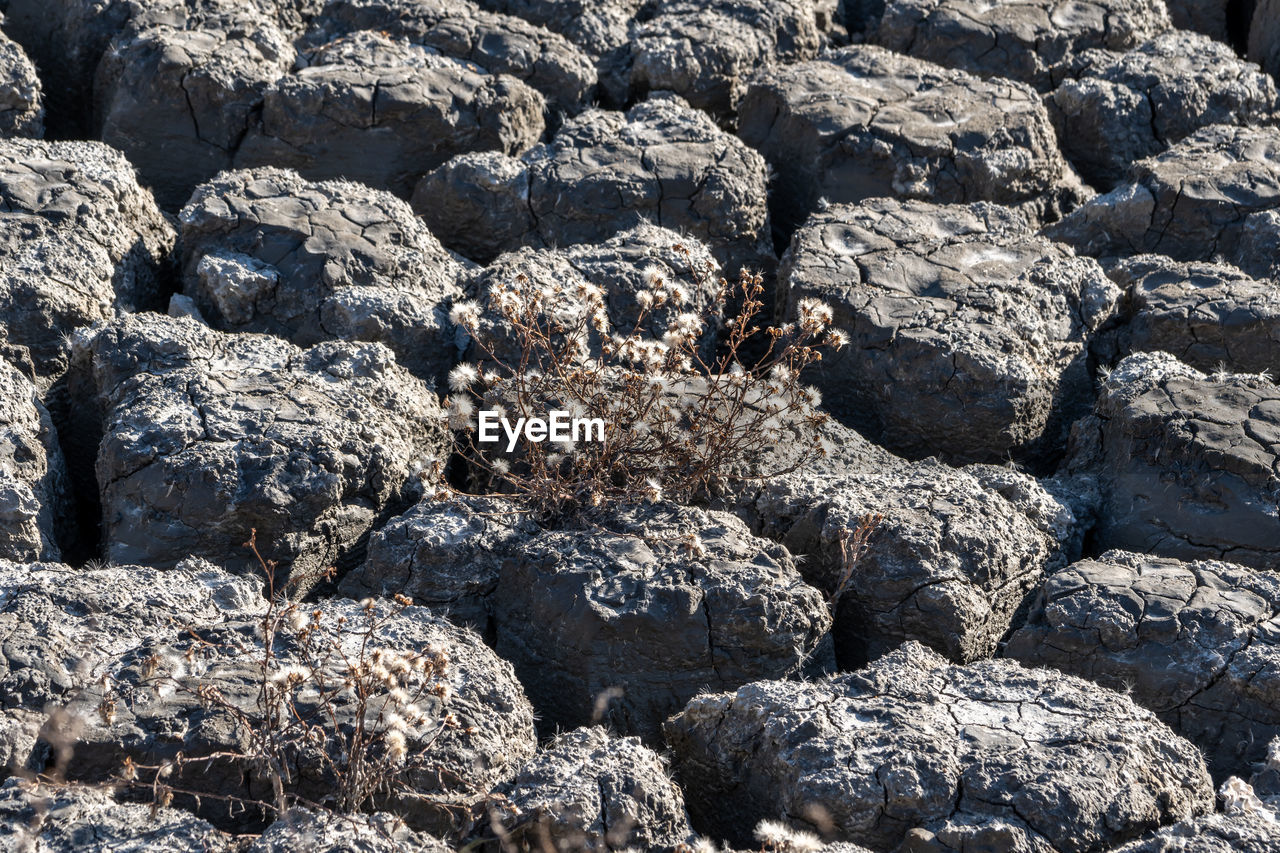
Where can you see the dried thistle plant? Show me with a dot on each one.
(331, 703)
(677, 420)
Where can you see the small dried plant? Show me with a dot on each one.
(678, 421)
(853, 547)
(775, 836)
(332, 705)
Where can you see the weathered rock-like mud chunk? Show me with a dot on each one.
(959, 311)
(588, 790)
(59, 819)
(1251, 26)
(159, 712)
(21, 102)
(862, 122)
(207, 435)
(386, 112)
(496, 43)
(266, 251)
(1027, 41)
(197, 90)
(86, 819)
(67, 39)
(1214, 193)
(941, 757)
(604, 172)
(179, 96)
(601, 28)
(1116, 108)
(1186, 463)
(701, 51)
(957, 551)
(446, 555)
(1246, 832)
(1211, 316)
(80, 242)
(1201, 16)
(304, 831)
(1264, 36)
(1194, 642)
(19, 733)
(620, 267)
(64, 627)
(627, 627)
(705, 52)
(34, 489)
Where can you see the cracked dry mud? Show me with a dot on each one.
(234, 236)
(1193, 641)
(863, 122)
(1031, 42)
(959, 308)
(914, 751)
(604, 171)
(1213, 195)
(207, 436)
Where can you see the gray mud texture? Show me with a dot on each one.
(997, 573)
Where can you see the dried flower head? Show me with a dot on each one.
(465, 314)
(773, 832)
(461, 411)
(397, 746)
(463, 377)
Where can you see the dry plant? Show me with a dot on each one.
(678, 422)
(775, 836)
(331, 704)
(853, 547)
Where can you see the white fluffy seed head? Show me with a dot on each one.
(397, 748)
(289, 676)
(804, 842)
(652, 490)
(463, 377)
(465, 314)
(813, 315)
(460, 411)
(772, 832)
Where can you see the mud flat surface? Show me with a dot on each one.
(233, 236)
